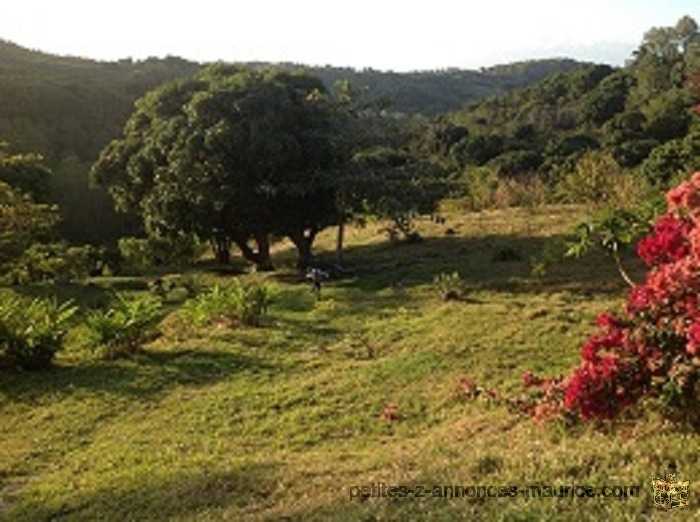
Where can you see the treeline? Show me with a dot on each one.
(638, 119)
(65, 106)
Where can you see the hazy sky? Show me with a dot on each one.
(389, 35)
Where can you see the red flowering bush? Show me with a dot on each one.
(667, 242)
(652, 349)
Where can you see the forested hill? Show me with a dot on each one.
(67, 109)
(62, 106)
(643, 116)
(434, 92)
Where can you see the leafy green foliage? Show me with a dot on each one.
(177, 288)
(143, 253)
(58, 262)
(26, 173)
(42, 262)
(592, 180)
(450, 286)
(613, 229)
(232, 304)
(397, 185)
(22, 222)
(32, 331)
(125, 326)
(610, 230)
(667, 161)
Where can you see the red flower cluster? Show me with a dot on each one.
(667, 242)
(601, 389)
(654, 346)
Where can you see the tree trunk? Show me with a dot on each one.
(340, 239)
(261, 259)
(222, 249)
(303, 241)
(264, 260)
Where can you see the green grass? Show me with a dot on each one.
(279, 422)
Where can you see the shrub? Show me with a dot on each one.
(450, 287)
(135, 253)
(593, 180)
(31, 332)
(55, 262)
(235, 303)
(480, 185)
(652, 348)
(176, 288)
(144, 253)
(125, 326)
(484, 189)
(39, 262)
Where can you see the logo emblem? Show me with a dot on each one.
(669, 493)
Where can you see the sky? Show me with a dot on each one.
(380, 34)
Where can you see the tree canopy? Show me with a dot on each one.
(232, 155)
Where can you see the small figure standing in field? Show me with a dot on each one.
(316, 276)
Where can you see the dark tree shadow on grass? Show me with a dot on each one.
(141, 377)
(501, 263)
(84, 295)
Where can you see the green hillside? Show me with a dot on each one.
(279, 422)
(62, 106)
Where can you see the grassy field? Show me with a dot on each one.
(281, 422)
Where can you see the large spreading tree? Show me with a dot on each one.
(233, 155)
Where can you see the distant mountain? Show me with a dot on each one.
(434, 92)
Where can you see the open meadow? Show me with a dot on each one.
(285, 421)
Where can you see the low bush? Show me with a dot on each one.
(58, 262)
(32, 331)
(484, 189)
(450, 287)
(177, 288)
(125, 326)
(235, 303)
(144, 253)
